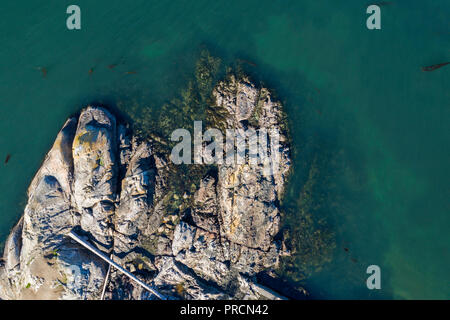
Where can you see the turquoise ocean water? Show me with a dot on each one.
(361, 91)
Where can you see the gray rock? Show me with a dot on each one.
(95, 172)
(247, 197)
(113, 189)
(50, 267)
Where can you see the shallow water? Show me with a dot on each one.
(361, 91)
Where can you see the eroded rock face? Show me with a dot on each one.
(247, 197)
(40, 262)
(113, 189)
(94, 151)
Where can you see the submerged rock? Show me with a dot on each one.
(112, 188)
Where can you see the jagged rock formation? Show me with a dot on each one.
(112, 188)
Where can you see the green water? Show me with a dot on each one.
(360, 91)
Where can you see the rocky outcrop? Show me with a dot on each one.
(112, 188)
